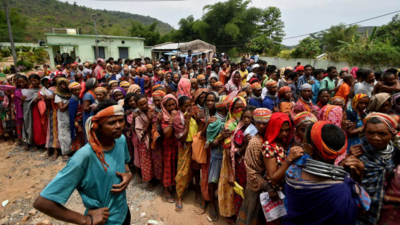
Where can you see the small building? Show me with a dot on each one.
(169, 49)
(84, 46)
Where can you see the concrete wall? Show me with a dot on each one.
(147, 51)
(316, 63)
(84, 46)
(17, 44)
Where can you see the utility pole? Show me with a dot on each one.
(95, 32)
(10, 36)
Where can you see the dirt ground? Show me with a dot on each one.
(24, 174)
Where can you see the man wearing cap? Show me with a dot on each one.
(215, 62)
(173, 60)
(306, 78)
(254, 72)
(202, 60)
(256, 99)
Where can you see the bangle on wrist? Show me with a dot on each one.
(289, 162)
(128, 171)
(91, 219)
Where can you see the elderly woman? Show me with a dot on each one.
(376, 152)
(381, 102)
(356, 115)
(322, 192)
(270, 99)
(305, 102)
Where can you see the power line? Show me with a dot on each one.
(141, 0)
(346, 25)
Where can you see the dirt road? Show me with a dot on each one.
(24, 174)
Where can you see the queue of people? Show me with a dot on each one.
(320, 145)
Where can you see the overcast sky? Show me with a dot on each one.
(300, 16)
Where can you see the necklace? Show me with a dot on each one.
(324, 169)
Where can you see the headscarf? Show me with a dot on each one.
(282, 91)
(331, 113)
(231, 86)
(354, 71)
(274, 127)
(148, 66)
(305, 86)
(117, 89)
(74, 85)
(357, 99)
(112, 82)
(197, 94)
(256, 86)
(345, 69)
(254, 79)
(377, 101)
(158, 93)
(59, 91)
(90, 83)
(124, 84)
(338, 97)
(194, 80)
(101, 90)
(92, 125)
(201, 77)
(244, 87)
(262, 115)
(133, 88)
(166, 114)
(184, 87)
(304, 117)
(156, 86)
(388, 120)
(237, 114)
(327, 154)
(218, 84)
(271, 83)
(224, 100)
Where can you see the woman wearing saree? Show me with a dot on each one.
(62, 98)
(21, 82)
(322, 100)
(37, 109)
(305, 102)
(356, 115)
(226, 194)
(234, 83)
(331, 113)
(75, 111)
(322, 192)
(183, 126)
(156, 135)
(88, 99)
(169, 107)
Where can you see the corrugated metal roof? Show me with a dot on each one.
(169, 46)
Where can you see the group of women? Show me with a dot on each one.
(334, 164)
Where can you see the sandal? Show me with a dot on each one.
(65, 158)
(214, 216)
(178, 208)
(167, 199)
(202, 209)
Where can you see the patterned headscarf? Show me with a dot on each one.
(236, 114)
(271, 83)
(262, 115)
(256, 86)
(245, 87)
(65, 94)
(101, 90)
(158, 93)
(242, 94)
(201, 77)
(74, 85)
(166, 114)
(124, 84)
(331, 113)
(117, 89)
(112, 82)
(377, 101)
(224, 100)
(389, 121)
(326, 153)
(356, 100)
(92, 125)
(218, 84)
(304, 117)
(282, 91)
(156, 86)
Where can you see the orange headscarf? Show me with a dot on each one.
(93, 123)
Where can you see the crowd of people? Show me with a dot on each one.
(327, 139)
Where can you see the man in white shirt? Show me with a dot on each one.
(367, 86)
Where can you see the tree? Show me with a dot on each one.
(149, 32)
(185, 32)
(18, 25)
(272, 25)
(307, 48)
(331, 37)
(228, 23)
(391, 30)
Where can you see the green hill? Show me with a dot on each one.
(45, 14)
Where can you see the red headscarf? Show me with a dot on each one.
(274, 127)
(184, 87)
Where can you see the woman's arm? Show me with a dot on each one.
(59, 212)
(187, 123)
(391, 200)
(86, 105)
(62, 106)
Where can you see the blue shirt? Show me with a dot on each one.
(255, 103)
(269, 103)
(315, 89)
(302, 80)
(85, 173)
